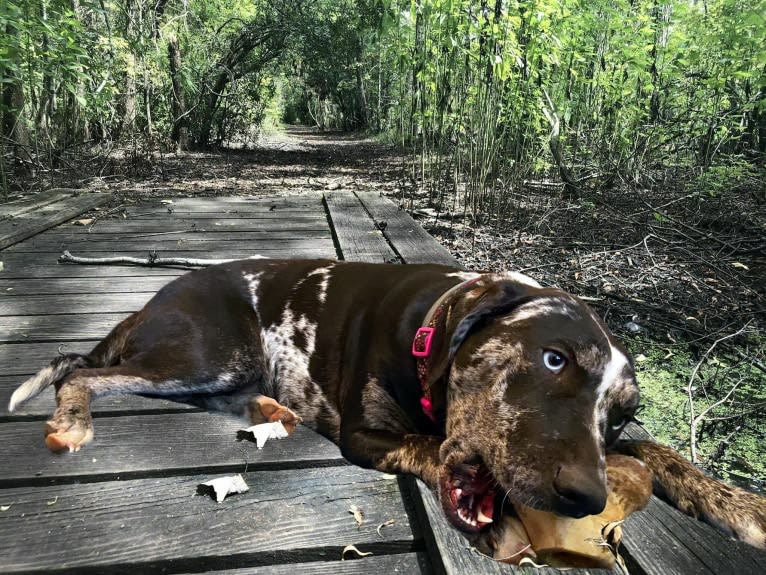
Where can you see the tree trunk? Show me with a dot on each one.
(129, 98)
(362, 105)
(180, 131)
(129, 105)
(45, 105)
(14, 127)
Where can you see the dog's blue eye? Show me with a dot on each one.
(554, 361)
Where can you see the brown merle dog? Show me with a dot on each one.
(483, 385)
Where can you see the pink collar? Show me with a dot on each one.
(423, 341)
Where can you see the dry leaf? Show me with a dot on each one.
(353, 548)
(640, 358)
(265, 431)
(224, 486)
(5, 507)
(358, 515)
(740, 266)
(84, 222)
(52, 501)
(166, 202)
(384, 524)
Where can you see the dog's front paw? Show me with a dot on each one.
(65, 431)
(737, 512)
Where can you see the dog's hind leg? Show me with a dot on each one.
(739, 513)
(71, 425)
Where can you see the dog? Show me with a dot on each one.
(484, 385)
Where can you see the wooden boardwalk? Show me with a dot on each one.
(128, 502)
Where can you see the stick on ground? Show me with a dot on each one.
(151, 260)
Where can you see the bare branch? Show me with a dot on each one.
(694, 421)
(151, 260)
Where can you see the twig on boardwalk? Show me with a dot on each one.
(151, 260)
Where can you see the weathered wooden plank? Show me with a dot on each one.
(321, 249)
(304, 216)
(44, 267)
(21, 227)
(33, 202)
(44, 264)
(358, 238)
(235, 212)
(445, 541)
(24, 305)
(23, 359)
(71, 233)
(149, 525)
(666, 542)
(212, 210)
(210, 243)
(307, 200)
(411, 241)
(406, 563)
(58, 328)
(152, 445)
(96, 285)
(42, 406)
(210, 225)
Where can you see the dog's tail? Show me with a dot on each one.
(735, 511)
(58, 369)
(107, 352)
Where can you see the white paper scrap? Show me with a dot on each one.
(224, 486)
(264, 431)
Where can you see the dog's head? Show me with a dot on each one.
(538, 388)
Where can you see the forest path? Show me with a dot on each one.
(292, 161)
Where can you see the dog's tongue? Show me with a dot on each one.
(486, 509)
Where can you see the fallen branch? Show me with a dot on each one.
(151, 260)
(694, 421)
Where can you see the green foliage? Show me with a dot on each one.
(722, 179)
(730, 440)
(476, 86)
(487, 93)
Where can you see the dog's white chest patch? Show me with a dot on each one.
(288, 347)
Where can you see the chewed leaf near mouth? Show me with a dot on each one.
(467, 494)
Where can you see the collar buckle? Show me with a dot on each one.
(421, 343)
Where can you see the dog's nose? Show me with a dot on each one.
(579, 492)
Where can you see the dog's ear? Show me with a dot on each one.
(471, 309)
(498, 300)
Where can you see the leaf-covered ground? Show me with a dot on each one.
(676, 268)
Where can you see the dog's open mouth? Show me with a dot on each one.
(468, 496)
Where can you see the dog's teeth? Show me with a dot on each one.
(483, 518)
(458, 492)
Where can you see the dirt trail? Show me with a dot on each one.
(296, 161)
